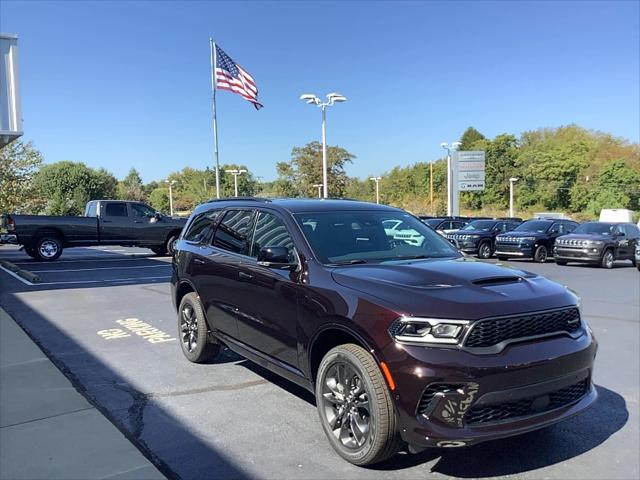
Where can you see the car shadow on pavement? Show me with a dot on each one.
(139, 415)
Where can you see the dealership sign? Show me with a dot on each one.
(469, 171)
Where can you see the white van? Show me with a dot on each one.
(616, 215)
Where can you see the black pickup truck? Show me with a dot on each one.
(105, 222)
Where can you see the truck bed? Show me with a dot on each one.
(75, 230)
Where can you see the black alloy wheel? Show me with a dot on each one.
(484, 250)
(193, 331)
(540, 255)
(355, 407)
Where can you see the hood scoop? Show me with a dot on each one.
(492, 281)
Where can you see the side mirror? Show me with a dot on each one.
(276, 257)
(619, 234)
(158, 216)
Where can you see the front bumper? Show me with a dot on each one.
(466, 246)
(535, 372)
(582, 255)
(514, 250)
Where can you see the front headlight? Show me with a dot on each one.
(528, 239)
(597, 243)
(428, 330)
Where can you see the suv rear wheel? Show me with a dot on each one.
(192, 328)
(355, 407)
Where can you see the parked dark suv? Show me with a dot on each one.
(478, 237)
(598, 243)
(533, 239)
(401, 343)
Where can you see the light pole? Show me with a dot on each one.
(377, 180)
(235, 174)
(171, 183)
(454, 146)
(512, 180)
(319, 187)
(332, 98)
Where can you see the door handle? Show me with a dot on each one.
(244, 275)
(199, 261)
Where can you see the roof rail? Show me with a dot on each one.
(237, 199)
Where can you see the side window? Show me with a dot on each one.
(500, 227)
(457, 225)
(619, 229)
(234, 231)
(199, 227)
(570, 227)
(511, 226)
(556, 228)
(632, 231)
(270, 232)
(91, 209)
(142, 211)
(115, 209)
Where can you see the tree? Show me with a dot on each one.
(19, 162)
(69, 185)
(131, 188)
(159, 199)
(618, 186)
(469, 139)
(305, 170)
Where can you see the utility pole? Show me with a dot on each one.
(171, 183)
(319, 186)
(431, 187)
(235, 174)
(377, 180)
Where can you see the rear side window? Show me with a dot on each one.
(234, 231)
(91, 209)
(199, 227)
(569, 227)
(270, 231)
(115, 209)
(632, 231)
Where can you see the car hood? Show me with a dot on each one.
(584, 236)
(460, 288)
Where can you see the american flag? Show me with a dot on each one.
(231, 76)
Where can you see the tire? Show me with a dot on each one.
(351, 368)
(541, 254)
(502, 258)
(484, 250)
(171, 244)
(48, 248)
(607, 259)
(192, 331)
(561, 263)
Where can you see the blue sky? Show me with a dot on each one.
(121, 84)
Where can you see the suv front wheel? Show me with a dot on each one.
(355, 406)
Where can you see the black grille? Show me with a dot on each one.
(528, 406)
(487, 333)
(430, 392)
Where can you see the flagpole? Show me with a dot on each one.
(214, 63)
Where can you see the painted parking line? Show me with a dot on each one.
(168, 265)
(96, 259)
(16, 276)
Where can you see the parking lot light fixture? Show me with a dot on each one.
(171, 183)
(332, 98)
(235, 172)
(377, 180)
(319, 187)
(454, 146)
(512, 180)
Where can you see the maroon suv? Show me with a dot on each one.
(402, 341)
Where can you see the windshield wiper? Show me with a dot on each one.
(348, 262)
(410, 257)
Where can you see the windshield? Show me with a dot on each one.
(433, 222)
(481, 225)
(596, 228)
(349, 237)
(533, 226)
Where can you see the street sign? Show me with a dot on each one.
(470, 173)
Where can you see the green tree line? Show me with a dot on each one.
(568, 169)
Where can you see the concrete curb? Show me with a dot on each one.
(26, 274)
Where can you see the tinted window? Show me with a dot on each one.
(140, 210)
(199, 226)
(570, 227)
(270, 231)
(433, 222)
(91, 209)
(457, 225)
(533, 226)
(501, 227)
(233, 232)
(632, 230)
(481, 225)
(595, 228)
(364, 236)
(115, 209)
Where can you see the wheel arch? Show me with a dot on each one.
(43, 231)
(184, 287)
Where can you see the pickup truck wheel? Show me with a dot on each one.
(171, 244)
(541, 254)
(355, 406)
(484, 250)
(48, 248)
(192, 328)
(607, 259)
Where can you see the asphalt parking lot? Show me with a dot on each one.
(105, 318)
